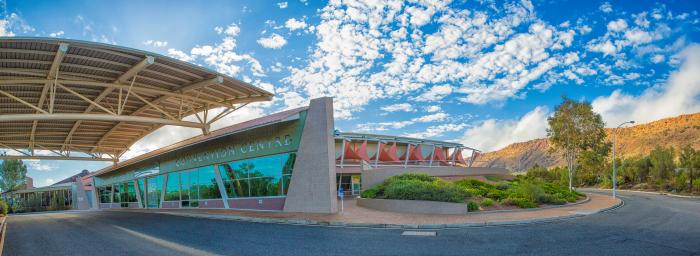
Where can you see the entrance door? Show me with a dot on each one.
(153, 189)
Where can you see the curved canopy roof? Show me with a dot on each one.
(63, 96)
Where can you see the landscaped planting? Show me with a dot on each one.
(522, 192)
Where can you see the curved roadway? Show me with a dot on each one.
(647, 224)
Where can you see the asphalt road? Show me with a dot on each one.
(646, 225)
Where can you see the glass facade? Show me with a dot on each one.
(258, 177)
(154, 186)
(267, 176)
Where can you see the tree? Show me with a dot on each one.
(575, 128)
(591, 163)
(13, 174)
(661, 164)
(687, 160)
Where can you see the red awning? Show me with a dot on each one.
(388, 155)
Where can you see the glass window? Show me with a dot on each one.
(235, 179)
(185, 185)
(105, 194)
(116, 193)
(266, 186)
(172, 189)
(131, 192)
(266, 166)
(142, 192)
(289, 164)
(154, 187)
(194, 187)
(258, 177)
(208, 188)
(285, 183)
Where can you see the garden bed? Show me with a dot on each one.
(521, 192)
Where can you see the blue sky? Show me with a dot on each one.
(482, 73)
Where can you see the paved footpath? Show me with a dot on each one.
(645, 225)
(353, 214)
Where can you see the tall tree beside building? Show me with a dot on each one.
(575, 128)
(13, 174)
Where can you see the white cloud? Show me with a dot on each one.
(222, 56)
(5, 28)
(48, 182)
(437, 130)
(382, 126)
(658, 58)
(436, 117)
(167, 135)
(370, 50)
(638, 36)
(54, 34)
(274, 41)
(294, 24)
(12, 23)
(156, 43)
(399, 107)
(432, 109)
(180, 55)
(493, 134)
(435, 93)
(617, 25)
(606, 47)
(38, 165)
(606, 7)
(282, 5)
(679, 95)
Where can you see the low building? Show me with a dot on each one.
(289, 161)
(61, 195)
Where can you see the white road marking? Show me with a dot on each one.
(164, 243)
(418, 233)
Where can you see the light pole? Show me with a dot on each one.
(614, 179)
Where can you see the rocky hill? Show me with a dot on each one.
(634, 140)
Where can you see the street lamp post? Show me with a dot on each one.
(614, 179)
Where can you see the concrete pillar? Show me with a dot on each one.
(313, 185)
(95, 198)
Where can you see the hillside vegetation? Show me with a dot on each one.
(675, 132)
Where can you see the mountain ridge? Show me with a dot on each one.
(634, 140)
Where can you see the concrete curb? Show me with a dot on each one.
(649, 192)
(338, 224)
(588, 199)
(3, 234)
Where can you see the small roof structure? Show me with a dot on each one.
(63, 96)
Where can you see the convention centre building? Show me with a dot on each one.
(70, 100)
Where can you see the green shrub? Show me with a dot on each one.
(487, 202)
(493, 178)
(437, 190)
(681, 182)
(411, 176)
(538, 172)
(370, 193)
(502, 186)
(416, 186)
(3, 207)
(476, 187)
(472, 206)
(531, 192)
(519, 202)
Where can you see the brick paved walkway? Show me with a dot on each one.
(355, 214)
